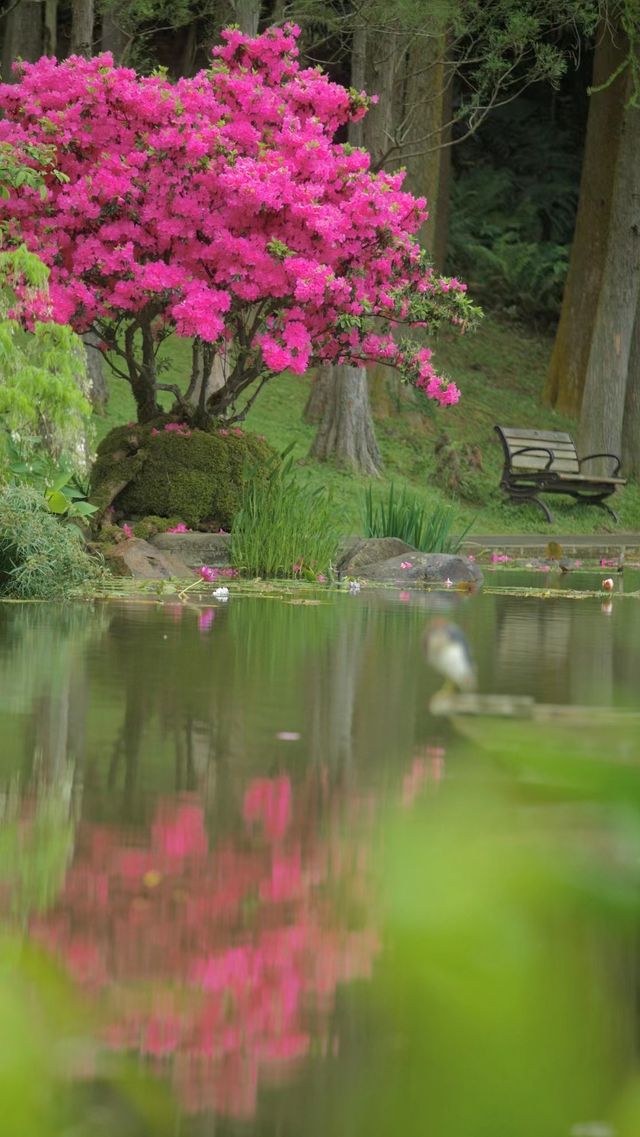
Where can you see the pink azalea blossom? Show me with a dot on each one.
(203, 200)
(179, 528)
(406, 565)
(128, 531)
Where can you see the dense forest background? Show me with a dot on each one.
(516, 120)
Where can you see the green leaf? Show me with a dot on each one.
(57, 502)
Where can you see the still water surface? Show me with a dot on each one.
(196, 808)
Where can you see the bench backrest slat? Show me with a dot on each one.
(565, 459)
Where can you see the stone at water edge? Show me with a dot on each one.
(369, 551)
(426, 568)
(194, 549)
(137, 558)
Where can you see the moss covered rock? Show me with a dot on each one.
(168, 470)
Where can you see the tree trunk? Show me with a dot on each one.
(567, 371)
(339, 398)
(22, 35)
(319, 395)
(427, 111)
(631, 422)
(188, 54)
(50, 27)
(143, 378)
(248, 15)
(113, 38)
(208, 376)
(82, 28)
(99, 392)
(608, 367)
(346, 431)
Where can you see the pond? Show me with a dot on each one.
(275, 895)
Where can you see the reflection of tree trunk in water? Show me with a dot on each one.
(49, 737)
(591, 665)
(334, 696)
(195, 758)
(127, 745)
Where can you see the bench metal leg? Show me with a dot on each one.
(604, 505)
(585, 499)
(522, 498)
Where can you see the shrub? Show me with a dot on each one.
(284, 528)
(41, 557)
(171, 471)
(408, 518)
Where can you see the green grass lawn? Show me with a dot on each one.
(500, 370)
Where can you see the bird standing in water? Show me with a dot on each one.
(448, 652)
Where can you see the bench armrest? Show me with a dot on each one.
(614, 456)
(535, 450)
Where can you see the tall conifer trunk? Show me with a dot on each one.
(346, 430)
(631, 421)
(82, 28)
(568, 368)
(611, 342)
(22, 31)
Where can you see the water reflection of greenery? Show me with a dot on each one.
(508, 1006)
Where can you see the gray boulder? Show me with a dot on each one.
(140, 560)
(194, 549)
(370, 551)
(426, 568)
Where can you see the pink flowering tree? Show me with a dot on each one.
(222, 209)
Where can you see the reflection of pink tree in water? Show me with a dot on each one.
(222, 961)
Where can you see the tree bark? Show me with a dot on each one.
(339, 398)
(631, 421)
(319, 395)
(112, 37)
(99, 392)
(248, 15)
(608, 366)
(427, 111)
(22, 33)
(568, 368)
(50, 27)
(346, 430)
(82, 28)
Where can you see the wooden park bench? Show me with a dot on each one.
(546, 461)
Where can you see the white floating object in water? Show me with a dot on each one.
(288, 735)
(354, 586)
(221, 593)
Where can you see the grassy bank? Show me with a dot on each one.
(500, 370)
